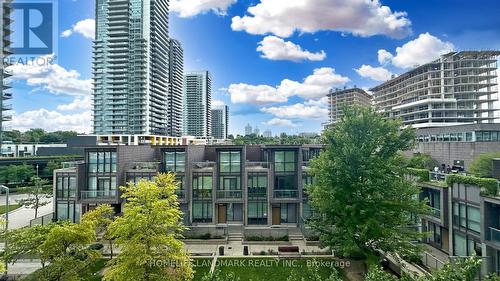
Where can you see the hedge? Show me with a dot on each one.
(488, 186)
(421, 174)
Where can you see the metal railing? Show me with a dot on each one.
(98, 194)
(202, 193)
(257, 193)
(229, 194)
(286, 193)
(437, 176)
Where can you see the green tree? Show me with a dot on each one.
(460, 270)
(51, 166)
(482, 165)
(361, 199)
(37, 194)
(18, 173)
(148, 234)
(313, 274)
(101, 217)
(422, 161)
(25, 242)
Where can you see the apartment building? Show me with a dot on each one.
(252, 188)
(220, 122)
(461, 143)
(175, 89)
(464, 221)
(457, 88)
(5, 93)
(131, 69)
(347, 97)
(197, 104)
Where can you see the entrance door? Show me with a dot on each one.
(222, 211)
(276, 215)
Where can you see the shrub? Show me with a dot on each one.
(422, 161)
(482, 165)
(488, 186)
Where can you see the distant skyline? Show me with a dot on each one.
(273, 71)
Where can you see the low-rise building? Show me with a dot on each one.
(248, 188)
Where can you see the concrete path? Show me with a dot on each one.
(21, 217)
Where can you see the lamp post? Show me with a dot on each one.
(3, 187)
(36, 170)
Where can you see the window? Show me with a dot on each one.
(288, 212)
(285, 161)
(175, 161)
(230, 162)
(202, 211)
(257, 185)
(102, 162)
(202, 186)
(229, 183)
(435, 234)
(257, 212)
(68, 211)
(464, 245)
(65, 186)
(466, 216)
(285, 182)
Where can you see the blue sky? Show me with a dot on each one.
(307, 47)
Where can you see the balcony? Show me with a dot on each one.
(202, 194)
(435, 212)
(254, 193)
(494, 233)
(229, 194)
(286, 194)
(98, 195)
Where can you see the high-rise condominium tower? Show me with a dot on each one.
(337, 99)
(5, 94)
(131, 67)
(176, 89)
(457, 88)
(197, 104)
(220, 122)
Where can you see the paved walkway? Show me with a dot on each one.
(21, 217)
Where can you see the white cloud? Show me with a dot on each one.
(384, 56)
(374, 73)
(51, 121)
(359, 17)
(78, 103)
(424, 49)
(190, 8)
(85, 27)
(322, 102)
(297, 111)
(255, 94)
(217, 103)
(52, 77)
(314, 86)
(275, 48)
(281, 123)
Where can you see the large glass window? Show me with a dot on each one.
(257, 212)
(202, 211)
(285, 182)
(466, 216)
(229, 162)
(288, 212)
(175, 161)
(257, 185)
(68, 211)
(65, 186)
(102, 162)
(285, 161)
(202, 186)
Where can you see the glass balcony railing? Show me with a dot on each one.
(229, 194)
(494, 234)
(202, 193)
(257, 193)
(286, 193)
(435, 212)
(98, 194)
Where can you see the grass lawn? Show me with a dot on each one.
(12, 207)
(201, 267)
(263, 269)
